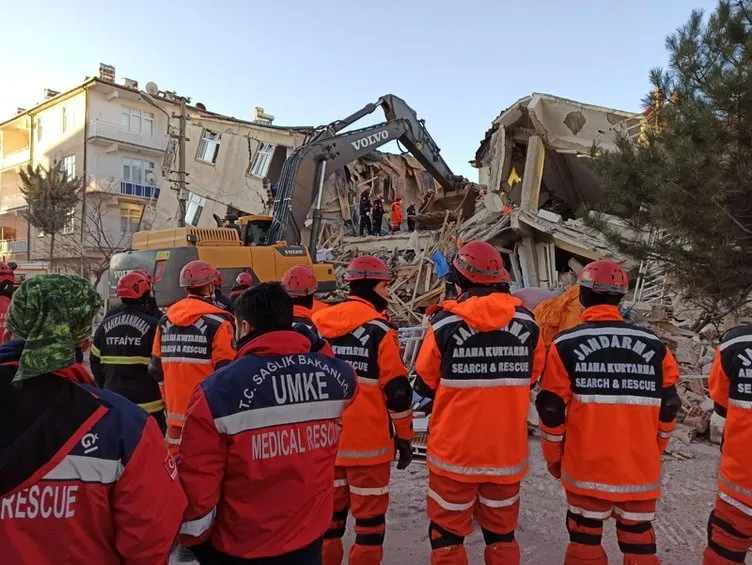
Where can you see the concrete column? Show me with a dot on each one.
(526, 252)
(531, 178)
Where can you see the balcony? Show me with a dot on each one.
(15, 158)
(12, 202)
(123, 187)
(108, 133)
(9, 247)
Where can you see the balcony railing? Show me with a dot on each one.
(8, 246)
(124, 187)
(116, 132)
(13, 201)
(15, 158)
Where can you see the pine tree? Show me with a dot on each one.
(52, 196)
(690, 176)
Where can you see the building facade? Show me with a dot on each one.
(123, 142)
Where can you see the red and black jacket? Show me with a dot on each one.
(82, 469)
(259, 446)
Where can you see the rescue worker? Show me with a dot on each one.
(194, 339)
(220, 299)
(607, 380)
(380, 420)
(301, 284)
(121, 350)
(365, 212)
(396, 216)
(86, 477)
(483, 351)
(377, 217)
(411, 216)
(730, 524)
(559, 313)
(243, 282)
(235, 454)
(7, 285)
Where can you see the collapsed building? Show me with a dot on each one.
(535, 158)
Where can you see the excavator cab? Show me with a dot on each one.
(254, 229)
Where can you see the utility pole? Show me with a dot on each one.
(182, 191)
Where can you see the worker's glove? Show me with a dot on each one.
(554, 470)
(404, 449)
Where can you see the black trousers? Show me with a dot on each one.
(309, 555)
(365, 224)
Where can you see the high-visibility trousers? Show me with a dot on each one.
(634, 530)
(172, 438)
(451, 507)
(729, 532)
(364, 493)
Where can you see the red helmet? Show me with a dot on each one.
(244, 279)
(197, 274)
(481, 263)
(218, 280)
(367, 267)
(604, 276)
(133, 285)
(300, 280)
(6, 273)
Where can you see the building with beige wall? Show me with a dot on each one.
(123, 141)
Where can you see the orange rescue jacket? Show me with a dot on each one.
(731, 389)
(480, 354)
(396, 217)
(559, 313)
(611, 377)
(194, 338)
(318, 306)
(361, 335)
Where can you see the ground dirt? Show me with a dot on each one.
(688, 497)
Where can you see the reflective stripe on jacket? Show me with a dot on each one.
(610, 376)
(481, 354)
(731, 389)
(259, 447)
(363, 337)
(193, 339)
(120, 355)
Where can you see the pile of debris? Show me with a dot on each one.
(418, 261)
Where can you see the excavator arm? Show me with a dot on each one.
(308, 167)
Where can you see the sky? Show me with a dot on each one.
(457, 63)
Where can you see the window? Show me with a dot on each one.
(69, 166)
(193, 208)
(130, 218)
(137, 121)
(39, 130)
(138, 171)
(70, 224)
(262, 160)
(65, 119)
(208, 148)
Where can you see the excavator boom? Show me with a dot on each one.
(308, 167)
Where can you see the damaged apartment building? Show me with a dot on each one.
(535, 157)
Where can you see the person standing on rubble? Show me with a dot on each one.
(86, 477)
(121, 350)
(378, 217)
(396, 216)
(411, 216)
(380, 420)
(194, 339)
(730, 523)
(365, 212)
(258, 472)
(607, 380)
(480, 356)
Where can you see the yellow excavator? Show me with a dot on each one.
(267, 246)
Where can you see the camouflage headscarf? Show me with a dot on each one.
(52, 313)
